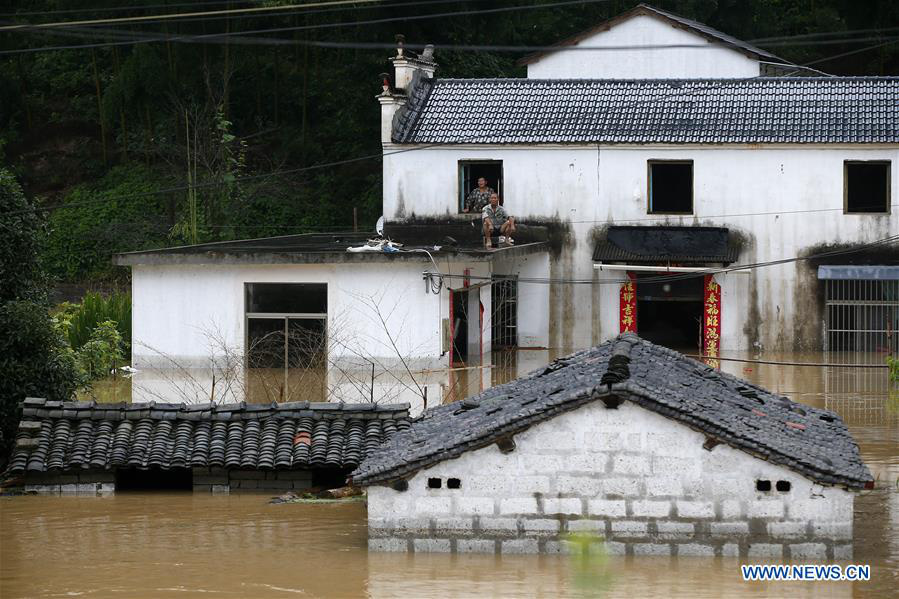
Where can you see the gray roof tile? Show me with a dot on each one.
(811, 441)
(182, 435)
(683, 111)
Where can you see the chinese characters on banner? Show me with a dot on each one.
(711, 321)
(628, 304)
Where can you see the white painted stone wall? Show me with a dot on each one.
(174, 308)
(639, 480)
(785, 199)
(707, 61)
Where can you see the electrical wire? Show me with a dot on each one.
(170, 16)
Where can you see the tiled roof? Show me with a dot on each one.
(56, 435)
(813, 442)
(654, 244)
(682, 111)
(710, 33)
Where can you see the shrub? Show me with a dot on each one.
(34, 357)
(79, 321)
(101, 353)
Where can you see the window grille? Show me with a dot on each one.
(861, 317)
(504, 299)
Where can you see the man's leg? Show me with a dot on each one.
(488, 231)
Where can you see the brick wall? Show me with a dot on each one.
(638, 479)
(81, 482)
(221, 480)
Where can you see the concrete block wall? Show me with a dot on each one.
(222, 480)
(81, 482)
(639, 480)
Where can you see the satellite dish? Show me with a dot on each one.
(379, 226)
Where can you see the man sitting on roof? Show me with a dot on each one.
(497, 219)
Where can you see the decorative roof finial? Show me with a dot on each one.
(400, 40)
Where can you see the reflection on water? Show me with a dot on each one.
(135, 545)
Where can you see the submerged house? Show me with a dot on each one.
(701, 153)
(619, 167)
(654, 452)
(89, 448)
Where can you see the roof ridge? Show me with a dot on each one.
(38, 402)
(536, 81)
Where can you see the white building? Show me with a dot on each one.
(631, 442)
(624, 153)
(300, 317)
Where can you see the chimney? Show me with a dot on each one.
(390, 103)
(405, 65)
(408, 70)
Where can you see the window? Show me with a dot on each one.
(763, 485)
(670, 187)
(504, 299)
(866, 187)
(286, 338)
(469, 173)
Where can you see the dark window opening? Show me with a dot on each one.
(329, 478)
(763, 485)
(154, 479)
(471, 171)
(783, 486)
(670, 313)
(504, 302)
(670, 187)
(867, 187)
(459, 325)
(287, 298)
(434, 483)
(453, 483)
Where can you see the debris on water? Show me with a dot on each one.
(342, 494)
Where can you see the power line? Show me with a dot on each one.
(675, 93)
(170, 16)
(123, 8)
(231, 37)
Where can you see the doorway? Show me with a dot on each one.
(459, 324)
(670, 312)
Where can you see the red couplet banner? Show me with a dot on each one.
(628, 305)
(711, 320)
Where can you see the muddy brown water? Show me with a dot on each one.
(185, 545)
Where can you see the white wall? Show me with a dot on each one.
(175, 307)
(641, 480)
(668, 63)
(588, 187)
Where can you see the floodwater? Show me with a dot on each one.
(184, 545)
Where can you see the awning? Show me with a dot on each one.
(661, 244)
(857, 272)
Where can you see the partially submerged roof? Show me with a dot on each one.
(314, 248)
(55, 435)
(813, 442)
(701, 29)
(665, 244)
(851, 110)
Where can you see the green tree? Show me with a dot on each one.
(34, 358)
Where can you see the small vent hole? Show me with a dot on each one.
(783, 486)
(436, 483)
(455, 483)
(763, 485)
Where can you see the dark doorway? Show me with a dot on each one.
(154, 479)
(459, 320)
(670, 312)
